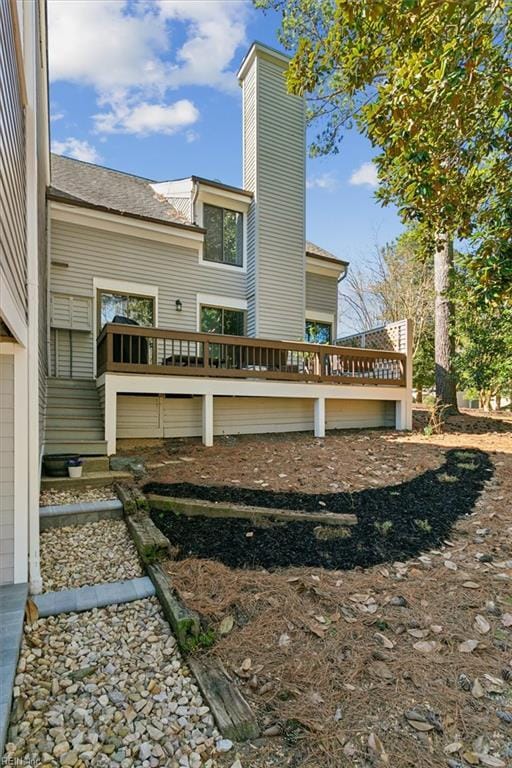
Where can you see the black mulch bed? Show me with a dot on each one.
(394, 523)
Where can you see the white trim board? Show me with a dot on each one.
(203, 385)
(10, 311)
(320, 317)
(125, 225)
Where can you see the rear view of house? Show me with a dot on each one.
(180, 308)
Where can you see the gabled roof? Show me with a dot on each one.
(75, 181)
(321, 253)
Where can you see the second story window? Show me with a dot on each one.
(224, 235)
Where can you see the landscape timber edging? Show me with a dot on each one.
(184, 622)
(194, 507)
(231, 711)
(150, 542)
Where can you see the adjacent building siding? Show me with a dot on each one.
(274, 169)
(90, 253)
(158, 417)
(6, 468)
(13, 261)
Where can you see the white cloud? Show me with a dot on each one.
(366, 174)
(215, 29)
(327, 181)
(144, 118)
(191, 136)
(80, 150)
(54, 116)
(127, 52)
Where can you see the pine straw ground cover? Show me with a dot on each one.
(402, 664)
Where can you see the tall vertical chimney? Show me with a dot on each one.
(274, 149)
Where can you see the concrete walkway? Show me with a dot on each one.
(13, 598)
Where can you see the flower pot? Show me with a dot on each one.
(75, 471)
(57, 465)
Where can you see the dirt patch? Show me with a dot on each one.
(333, 661)
(393, 523)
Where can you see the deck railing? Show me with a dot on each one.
(133, 349)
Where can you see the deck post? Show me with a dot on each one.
(404, 406)
(320, 417)
(208, 420)
(110, 416)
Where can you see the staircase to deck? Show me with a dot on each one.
(74, 421)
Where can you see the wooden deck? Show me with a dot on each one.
(137, 350)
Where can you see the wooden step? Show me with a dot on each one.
(91, 480)
(72, 383)
(79, 420)
(82, 448)
(95, 464)
(72, 434)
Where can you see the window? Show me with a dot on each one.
(318, 333)
(224, 235)
(141, 309)
(225, 321)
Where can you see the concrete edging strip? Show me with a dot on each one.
(96, 596)
(77, 514)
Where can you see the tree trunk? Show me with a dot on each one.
(498, 401)
(446, 390)
(419, 395)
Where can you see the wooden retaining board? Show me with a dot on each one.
(195, 507)
(232, 713)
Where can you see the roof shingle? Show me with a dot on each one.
(121, 192)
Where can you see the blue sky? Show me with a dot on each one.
(149, 87)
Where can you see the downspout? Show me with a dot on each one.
(29, 30)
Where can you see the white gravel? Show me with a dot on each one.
(54, 497)
(93, 553)
(108, 687)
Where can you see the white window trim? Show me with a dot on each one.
(229, 205)
(319, 317)
(118, 286)
(214, 300)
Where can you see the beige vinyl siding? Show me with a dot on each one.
(174, 270)
(359, 414)
(158, 417)
(254, 415)
(321, 294)
(276, 250)
(12, 166)
(6, 468)
(249, 173)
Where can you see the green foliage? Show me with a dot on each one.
(484, 340)
(204, 639)
(429, 83)
(423, 526)
(384, 528)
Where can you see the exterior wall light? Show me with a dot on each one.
(179, 305)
